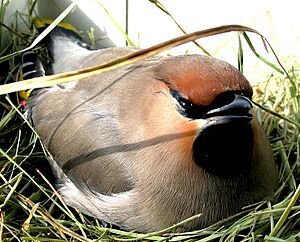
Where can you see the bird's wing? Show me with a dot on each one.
(81, 139)
(78, 124)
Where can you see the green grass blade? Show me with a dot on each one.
(246, 37)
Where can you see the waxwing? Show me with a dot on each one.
(152, 143)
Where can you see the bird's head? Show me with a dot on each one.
(217, 94)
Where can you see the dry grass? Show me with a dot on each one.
(31, 209)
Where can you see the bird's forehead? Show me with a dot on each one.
(201, 78)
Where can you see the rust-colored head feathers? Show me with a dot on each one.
(201, 78)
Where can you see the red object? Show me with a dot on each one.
(23, 103)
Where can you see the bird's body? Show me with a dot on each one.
(128, 144)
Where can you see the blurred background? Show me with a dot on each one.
(146, 25)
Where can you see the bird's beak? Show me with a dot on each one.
(237, 110)
(224, 144)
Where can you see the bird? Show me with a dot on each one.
(152, 143)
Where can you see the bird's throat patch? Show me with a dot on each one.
(224, 150)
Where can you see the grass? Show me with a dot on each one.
(31, 209)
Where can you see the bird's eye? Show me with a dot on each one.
(184, 103)
(184, 106)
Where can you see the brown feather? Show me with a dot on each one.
(124, 153)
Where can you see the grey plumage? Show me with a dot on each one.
(122, 151)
